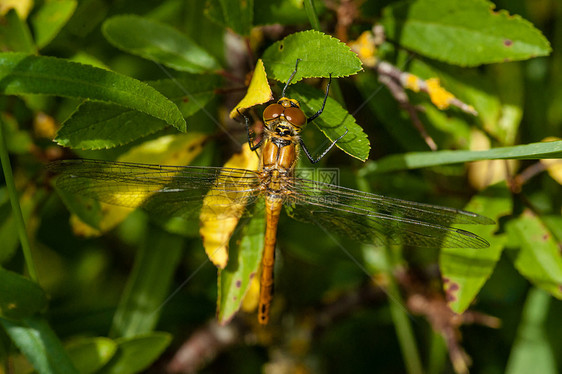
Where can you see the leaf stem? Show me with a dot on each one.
(10, 185)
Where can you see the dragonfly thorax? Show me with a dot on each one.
(283, 130)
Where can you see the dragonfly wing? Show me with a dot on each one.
(310, 190)
(172, 191)
(379, 220)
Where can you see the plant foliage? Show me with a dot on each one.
(453, 103)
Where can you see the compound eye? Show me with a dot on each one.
(272, 111)
(295, 116)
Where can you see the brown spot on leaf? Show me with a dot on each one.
(508, 42)
(450, 291)
(238, 283)
(252, 275)
(185, 99)
(446, 280)
(545, 237)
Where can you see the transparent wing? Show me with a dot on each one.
(376, 219)
(165, 191)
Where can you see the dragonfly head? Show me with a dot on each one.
(287, 109)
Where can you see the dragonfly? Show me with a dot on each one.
(184, 191)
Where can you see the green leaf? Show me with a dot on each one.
(235, 15)
(137, 353)
(22, 74)
(243, 265)
(98, 125)
(532, 351)
(239, 15)
(539, 258)
(40, 345)
(285, 12)
(414, 160)
(148, 285)
(554, 224)
(463, 32)
(14, 34)
(333, 121)
(91, 354)
(320, 55)
(159, 43)
(465, 271)
(50, 18)
(87, 17)
(19, 297)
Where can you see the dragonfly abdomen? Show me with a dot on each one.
(273, 205)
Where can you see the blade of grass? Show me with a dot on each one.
(311, 14)
(414, 160)
(399, 314)
(532, 350)
(148, 284)
(402, 322)
(437, 354)
(9, 177)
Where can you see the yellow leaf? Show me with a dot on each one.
(112, 215)
(365, 48)
(178, 149)
(482, 174)
(553, 165)
(251, 299)
(258, 93)
(23, 7)
(222, 210)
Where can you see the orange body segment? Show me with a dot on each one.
(273, 210)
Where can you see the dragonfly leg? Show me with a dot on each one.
(290, 78)
(249, 133)
(313, 160)
(315, 115)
